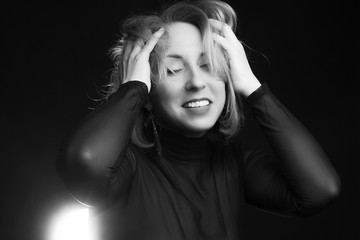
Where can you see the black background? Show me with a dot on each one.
(56, 56)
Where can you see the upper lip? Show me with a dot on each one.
(196, 100)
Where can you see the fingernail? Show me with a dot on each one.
(159, 32)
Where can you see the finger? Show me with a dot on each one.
(127, 50)
(149, 46)
(222, 41)
(223, 28)
(136, 49)
(217, 24)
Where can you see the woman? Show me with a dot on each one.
(157, 160)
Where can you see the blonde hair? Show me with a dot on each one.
(196, 13)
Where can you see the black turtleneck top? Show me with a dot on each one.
(198, 187)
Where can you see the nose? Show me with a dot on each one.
(195, 81)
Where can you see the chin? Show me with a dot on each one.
(185, 124)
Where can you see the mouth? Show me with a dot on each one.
(197, 103)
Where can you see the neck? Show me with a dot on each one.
(183, 148)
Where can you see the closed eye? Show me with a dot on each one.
(205, 66)
(173, 71)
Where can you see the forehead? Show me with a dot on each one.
(184, 38)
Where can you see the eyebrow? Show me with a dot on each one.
(177, 56)
(174, 56)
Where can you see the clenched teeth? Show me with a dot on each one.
(197, 104)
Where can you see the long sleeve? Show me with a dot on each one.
(297, 177)
(99, 142)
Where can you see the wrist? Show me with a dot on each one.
(247, 87)
(148, 85)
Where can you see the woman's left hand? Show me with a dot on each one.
(244, 81)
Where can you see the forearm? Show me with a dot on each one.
(99, 141)
(306, 169)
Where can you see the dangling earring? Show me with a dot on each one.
(155, 132)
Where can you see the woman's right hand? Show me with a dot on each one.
(136, 57)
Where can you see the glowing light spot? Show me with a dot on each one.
(71, 224)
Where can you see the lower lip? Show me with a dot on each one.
(198, 110)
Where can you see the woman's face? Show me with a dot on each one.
(189, 100)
